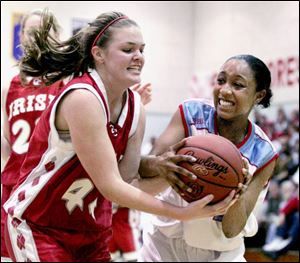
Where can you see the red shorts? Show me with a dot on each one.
(125, 236)
(35, 243)
(6, 190)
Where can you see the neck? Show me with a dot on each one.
(233, 131)
(114, 89)
(116, 101)
(116, 95)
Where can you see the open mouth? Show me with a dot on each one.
(225, 103)
(136, 69)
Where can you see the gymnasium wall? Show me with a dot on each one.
(167, 29)
(268, 30)
(186, 43)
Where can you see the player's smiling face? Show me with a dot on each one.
(124, 57)
(235, 90)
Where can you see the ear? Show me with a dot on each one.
(259, 96)
(97, 54)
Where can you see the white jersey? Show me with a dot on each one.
(207, 233)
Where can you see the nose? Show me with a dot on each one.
(138, 55)
(226, 89)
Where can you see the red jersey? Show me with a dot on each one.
(54, 190)
(291, 206)
(24, 106)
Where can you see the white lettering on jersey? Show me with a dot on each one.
(51, 98)
(41, 102)
(30, 103)
(20, 145)
(75, 194)
(92, 207)
(18, 106)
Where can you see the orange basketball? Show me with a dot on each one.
(218, 167)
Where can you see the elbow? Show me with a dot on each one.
(232, 229)
(230, 233)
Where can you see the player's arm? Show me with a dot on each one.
(130, 163)
(236, 217)
(5, 142)
(162, 160)
(91, 142)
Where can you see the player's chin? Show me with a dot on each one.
(134, 74)
(129, 82)
(224, 114)
(133, 80)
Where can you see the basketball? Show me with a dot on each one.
(218, 167)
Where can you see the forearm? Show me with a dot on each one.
(129, 196)
(237, 215)
(152, 186)
(235, 218)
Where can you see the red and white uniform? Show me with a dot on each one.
(56, 203)
(126, 233)
(24, 106)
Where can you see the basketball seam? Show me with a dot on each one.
(225, 186)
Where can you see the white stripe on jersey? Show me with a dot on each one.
(21, 235)
(101, 87)
(136, 116)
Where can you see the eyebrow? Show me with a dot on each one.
(133, 44)
(224, 73)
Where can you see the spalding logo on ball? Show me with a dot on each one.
(218, 167)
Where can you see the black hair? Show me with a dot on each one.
(262, 76)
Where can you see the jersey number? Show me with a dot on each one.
(20, 145)
(76, 193)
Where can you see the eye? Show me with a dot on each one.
(127, 50)
(220, 81)
(238, 85)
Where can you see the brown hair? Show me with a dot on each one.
(53, 60)
(39, 12)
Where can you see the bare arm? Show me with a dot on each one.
(87, 126)
(173, 134)
(5, 142)
(236, 217)
(130, 163)
(163, 159)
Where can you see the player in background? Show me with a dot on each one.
(22, 105)
(125, 242)
(86, 146)
(242, 83)
(145, 91)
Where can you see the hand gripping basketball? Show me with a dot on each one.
(219, 168)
